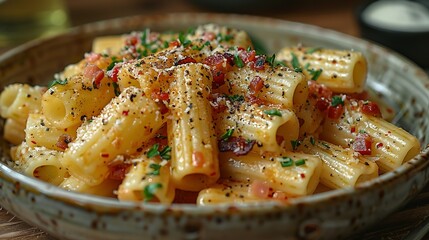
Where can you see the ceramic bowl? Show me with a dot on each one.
(330, 215)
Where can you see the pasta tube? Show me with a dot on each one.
(66, 105)
(340, 70)
(264, 124)
(191, 133)
(123, 126)
(295, 174)
(309, 117)
(39, 162)
(41, 133)
(280, 85)
(148, 180)
(18, 100)
(14, 131)
(106, 188)
(341, 167)
(388, 144)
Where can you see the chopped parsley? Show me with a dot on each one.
(312, 50)
(362, 131)
(295, 144)
(271, 60)
(182, 38)
(199, 48)
(300, 162)
(164, 153)
(286, 162)
(295, 63)
(227, 134)
(150, 190)
(57, 81)
(191, 30)
(115, 60)
(235, 98)
(315, 74)
(156, 168)
(279, 63)
(116, 88)
(273, 112)
(238, 61)
(312, 141)
(337, 100)
(226, 37)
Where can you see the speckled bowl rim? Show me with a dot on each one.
(103, 204)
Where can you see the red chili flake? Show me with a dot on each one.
(162, 96)
(198, 159)
(379, 145)
(353, 129)
(362, 144)
(63, 141)
(174, 43)
(185, 60)
(33, 142)
(370, 108)
(118, 172)
(125, 113)
(255, 85)
(302, 175)
(259, 63)
(239, 146)
(105, 155)
(335, 112)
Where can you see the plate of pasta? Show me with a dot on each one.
(209, 126)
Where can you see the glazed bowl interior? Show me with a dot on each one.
(396, 80)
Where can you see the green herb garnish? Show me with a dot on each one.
(273, 112)
(295, 63)
(156, 168)
(312, 50)
(57, 81)
(300, 162)
(238, 61)
(182, 38)
(315, 74)
(312, 141)
(236, 98)
(271, 60)
(165, 153)
(337, 100)
(295, 144)
(153, 151)
(113, 63)
(116, 88)
(150, 190)
(227, 134)
(286, 162)
(199, 48)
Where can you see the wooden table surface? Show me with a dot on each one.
(332, 14)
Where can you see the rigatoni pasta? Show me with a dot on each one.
(201, 115)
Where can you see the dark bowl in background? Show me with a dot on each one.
(412, 44)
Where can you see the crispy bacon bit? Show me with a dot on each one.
(113, 74)
(174, 43)
(322, 104)
(379, 145)
(239, 146)
(259, 63)
(317, 90)
(63, 141)
(362, 144)
(93, 73)
(198, 159)
(118, 172)
(370, 108)
(92, 57)
(259, 189)
(185, 60)
(255, 85)
(217, 101)
(162, 107)
(131, 40)
(353, 129)
(219, 65)
(247, 56)
(255, 100)
(335, 112)
(104, 155)
(209, 36)
(358, 96)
